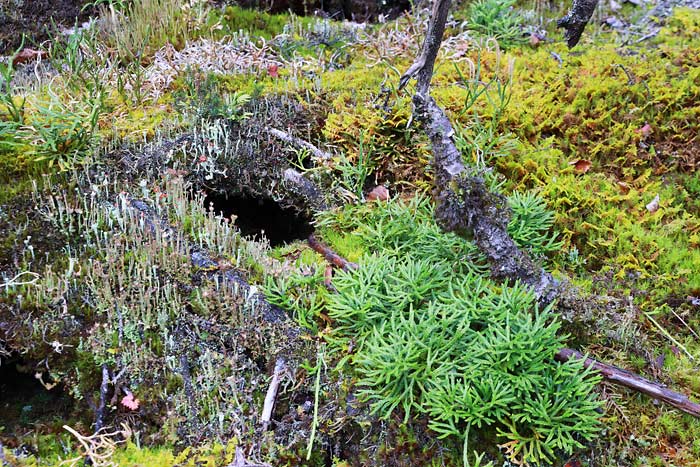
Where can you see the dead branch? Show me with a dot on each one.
(280, 367)
(330, 255)
(576, 20)
(633, 381)
(293, 140)
(464, 204)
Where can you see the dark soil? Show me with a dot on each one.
(37, 19)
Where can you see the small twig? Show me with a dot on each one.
(317, 390)
(686, 324)
(630, 380)
(557, 57)
(291, 139)
(271, 396)
(331, 256)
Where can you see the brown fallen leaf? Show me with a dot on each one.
(379, 193)
(581, 165)
(27, 55)
(624, 187)
(653, 206)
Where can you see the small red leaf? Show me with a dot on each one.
(273, 70)
(645, 130)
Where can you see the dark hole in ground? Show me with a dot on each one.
(257, 216)
(25, 403)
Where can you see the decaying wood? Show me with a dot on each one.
(576, 19)
(330, 255)
(633, 381)
(271, 396)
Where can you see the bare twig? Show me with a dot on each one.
(576, 19)
(271, 396)
(330, 255)
(633, 381)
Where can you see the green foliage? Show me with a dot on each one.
(144, 26)
(13, 107)
(497, 19)
(62, 134)
(532, 223)
(432, 337)
(452, 346)
(202, 98)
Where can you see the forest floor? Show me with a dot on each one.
(163, 167)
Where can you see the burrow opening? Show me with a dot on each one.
(262, 216)
(25, 402)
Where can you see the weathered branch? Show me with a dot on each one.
(576, 20)
(293, 140)
(331, 256)
(464, 204)
(423, 67)
(633, 381)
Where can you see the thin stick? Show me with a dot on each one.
(331, 256)
(633, 381)
(280, 367)
(317, 390)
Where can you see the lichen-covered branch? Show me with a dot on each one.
(464, 203)
(576, 20)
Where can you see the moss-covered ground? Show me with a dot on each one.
(112, 263)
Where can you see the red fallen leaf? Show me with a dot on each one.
(653, 206)
(273, 70)
(130, 402)
(379, 193)
(27, 55)
(573, 463)
(581, 165)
